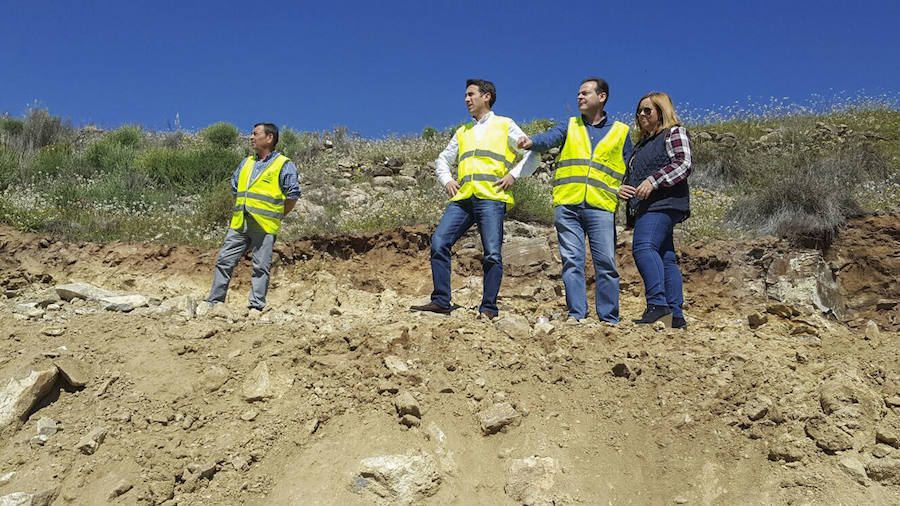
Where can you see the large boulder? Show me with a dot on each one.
(805, 279)
(21, 394)
(523, 256)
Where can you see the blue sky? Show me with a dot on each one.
(396, 66)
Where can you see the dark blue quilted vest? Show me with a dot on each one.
(648, 157)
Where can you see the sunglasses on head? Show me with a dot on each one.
(645, 111)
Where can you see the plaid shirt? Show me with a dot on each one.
(678, 147)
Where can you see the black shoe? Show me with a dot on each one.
(678, 323)
(487, 314)
(653, 314)
(432, 308)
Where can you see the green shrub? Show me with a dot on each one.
(534, 201)
(189, 170)
(430, 133)
(11, 126)
(63, 194)
(107, 154)
(51, 160)
(216, 205)
(131, 136)
(221, 134)
(290, 143)
(127, 187)
(537, 126)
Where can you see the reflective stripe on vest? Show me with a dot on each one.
(484, 161)
(581, 176)
(262, 198)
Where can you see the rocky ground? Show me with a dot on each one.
(116, 386)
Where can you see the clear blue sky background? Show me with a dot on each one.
(396, 66)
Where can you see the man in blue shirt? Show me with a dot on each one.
(596, 184)
(257, 214)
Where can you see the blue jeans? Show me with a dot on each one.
(654, 255)
(573, 222)
(457, 219)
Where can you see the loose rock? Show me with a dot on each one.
(854, 468)
(406, 404)
(81, 291)
(123, 303)
(396, 365)
(89, 443)
(402, 479)
(757, 408)
(76, 372)
(46, 426)
(497, 417)
(213, 378)
(44, 498)
(756, 319)
(121, 488)
(529, 480)
(827, 436)
(885, 471)
(262, 384)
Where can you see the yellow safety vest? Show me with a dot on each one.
(582, 177)
(262, 198)
(483, 162)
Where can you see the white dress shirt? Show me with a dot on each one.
(447, 159)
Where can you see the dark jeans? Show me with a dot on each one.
(654, 255)
(457, 219)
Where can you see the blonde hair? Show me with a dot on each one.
(664, 109)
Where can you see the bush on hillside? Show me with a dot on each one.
(10, 126)
(537, 126)
(716, 167)
(290, 142)
(188, 170)
(221, 134)
(534, 201)
(50, 161)
(430, 133)
(809, 195)
(107, 154)
(120, 187)
(216, 205)
(40, 129)
(131, 136)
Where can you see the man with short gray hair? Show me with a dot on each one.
(266, 188)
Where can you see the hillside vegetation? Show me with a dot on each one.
(794, 176)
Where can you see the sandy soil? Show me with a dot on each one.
(759, 401)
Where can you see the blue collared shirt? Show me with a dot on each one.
(556, 136)
(287, 179)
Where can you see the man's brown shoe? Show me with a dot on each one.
(487, 314)
(432, 308)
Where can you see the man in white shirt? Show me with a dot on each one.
(484, 151)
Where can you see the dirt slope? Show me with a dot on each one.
(799, 409)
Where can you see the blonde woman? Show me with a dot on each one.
(658, 197)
